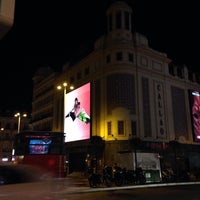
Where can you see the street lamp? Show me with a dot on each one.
(64, 88)
(19, 120)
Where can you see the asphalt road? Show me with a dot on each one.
(77, 188)
(172, 192)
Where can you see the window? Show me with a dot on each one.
(133, 128)
(7, 126)
(109, 127)
(127, 21)
(78, 75)
(26, 127)
(130, 57)
(110, 22)
(71, 79)
(108, 59)
(87, 71)
(119, 56)
(118, 20)
(120, 127)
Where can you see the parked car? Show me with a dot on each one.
(20, 182)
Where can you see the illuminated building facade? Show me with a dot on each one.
(137, 94)
(8, 129)
(7, 10)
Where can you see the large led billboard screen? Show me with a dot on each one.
(77, 114)
(195, 113)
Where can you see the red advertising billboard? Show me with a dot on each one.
(77, 114)
(195, 113)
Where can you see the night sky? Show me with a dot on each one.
(49, 33)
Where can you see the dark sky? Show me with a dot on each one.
(49, 32)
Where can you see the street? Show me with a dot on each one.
(75, 188)
(183, 192)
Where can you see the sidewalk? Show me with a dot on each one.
(76, 175)
(77, 182)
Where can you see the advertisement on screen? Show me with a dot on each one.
(195, 113)
(39, 146)
(77, 114)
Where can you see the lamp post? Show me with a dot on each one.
(18, 115)
(64, 88)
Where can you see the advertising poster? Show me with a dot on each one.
(195, 112)
(77, 114)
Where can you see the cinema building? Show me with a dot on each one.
(132, 99)
(7, 11)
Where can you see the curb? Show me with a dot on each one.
(86, 190)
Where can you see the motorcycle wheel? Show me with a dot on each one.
(142, 180)
(119, 182)
(91, 182)
(107, 182)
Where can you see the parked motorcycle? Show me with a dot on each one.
(119, 176)
(168, 175)
(107, 176)
(94, 179)
(140, 177)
